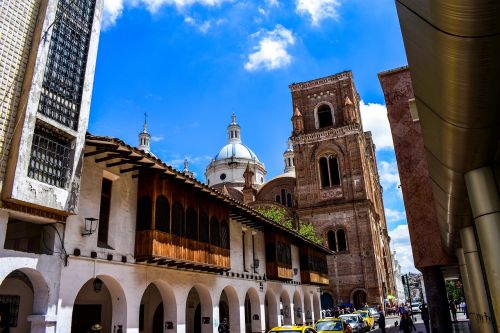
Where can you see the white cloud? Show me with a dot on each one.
(271, 51)
(202, 26)
(400, 242)
(114, 8)
(272, 3)
(157, 138)
(388, 173)
(393, 215)
(375, 119)
(318, 10)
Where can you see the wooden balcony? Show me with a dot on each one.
(279, 271)
(164, 248)
(314, 278)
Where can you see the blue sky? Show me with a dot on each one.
(190, 63)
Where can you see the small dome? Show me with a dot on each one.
(235, 150)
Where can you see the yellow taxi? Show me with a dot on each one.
(367, 317)
(293, 329)
(329, 325)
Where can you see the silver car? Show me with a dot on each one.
(356, 321)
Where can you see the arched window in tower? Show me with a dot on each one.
(333, 166)
(204, 228)
(341, 240)
(191, 224)
(224, 230)
(177, 219)
(325, 116)
(289, 200)
(162, 214)
(214, 231)
(329, 172)
(283, 197)
(323, 172)
(144, 212)
(332, 240)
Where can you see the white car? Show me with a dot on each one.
(415, 307)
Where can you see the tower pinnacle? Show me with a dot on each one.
(145, 137)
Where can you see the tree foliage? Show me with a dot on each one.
(452, 291)
(307, 230)
(279, 215)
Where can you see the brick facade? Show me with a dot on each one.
(354, 205)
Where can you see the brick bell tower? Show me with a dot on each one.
(338, 189)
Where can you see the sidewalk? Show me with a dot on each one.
(458, 327)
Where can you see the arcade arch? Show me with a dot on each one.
(100, 300)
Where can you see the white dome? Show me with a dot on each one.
(235, 150)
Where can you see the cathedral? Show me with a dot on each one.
(330, 180)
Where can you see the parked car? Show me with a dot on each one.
(293, 329)
(356, 321)
(416, 307)
(367, 317)
(329, 325)
(374, 313)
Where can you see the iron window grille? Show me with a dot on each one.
(65, 71)
(50, 158)
(9, 308)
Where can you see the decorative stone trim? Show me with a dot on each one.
(321, 82)
(329, 134)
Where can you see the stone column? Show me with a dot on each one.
(42, 323)
(435, 289)
(476, 282)
(485, 203)
(469, 296)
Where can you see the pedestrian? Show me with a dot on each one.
(223, 326)
(381, 320)
(406, 325)
(453, 309)
(425, 317)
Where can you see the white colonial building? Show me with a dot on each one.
(151, 249)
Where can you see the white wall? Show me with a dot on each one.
(121, 232)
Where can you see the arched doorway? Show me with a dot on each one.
(359, 298)
(298, 310)
(158, 309)
(271, 310)
(158, 319)
(22, 293)
(100, 300)
(229, 307)
(92, 306)
(285, 309)
(199, 311)
(326, 301)
(252, 311)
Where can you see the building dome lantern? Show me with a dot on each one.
(230, 162)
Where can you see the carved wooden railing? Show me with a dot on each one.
(314, 277)
(163, 245)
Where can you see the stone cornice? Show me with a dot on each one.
(320, 82)
(327, 134)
